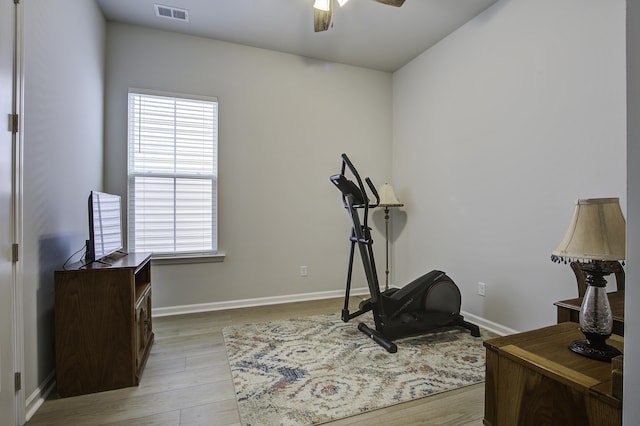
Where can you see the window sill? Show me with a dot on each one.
(186, 259)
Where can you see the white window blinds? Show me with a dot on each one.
(172, 174)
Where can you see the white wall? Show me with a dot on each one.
(497, 131)
(632, 313)
(63, 125)
(284, 121)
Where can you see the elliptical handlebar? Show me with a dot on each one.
(374, 191)
(347, 163)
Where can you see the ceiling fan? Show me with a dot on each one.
(322, 10)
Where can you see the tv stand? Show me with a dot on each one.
(103, 326)
(107, 260)
(102, 262)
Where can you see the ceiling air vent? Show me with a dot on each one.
(172, 13)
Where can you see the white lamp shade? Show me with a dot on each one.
(388, 197)
(597, 232)
(342, 2)
(322, 5)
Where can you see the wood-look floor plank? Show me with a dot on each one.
(220, 413)
(171, 418)
(187, 381)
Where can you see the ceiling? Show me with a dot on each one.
(364, 33)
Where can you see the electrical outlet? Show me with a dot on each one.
(303, 271)
(482, 287)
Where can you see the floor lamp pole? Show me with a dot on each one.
(386, 235)
(387, 199)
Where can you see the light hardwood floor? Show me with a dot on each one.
(187, 381)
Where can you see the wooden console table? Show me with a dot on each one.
(533, 378)
(569, 310)
(103, 330)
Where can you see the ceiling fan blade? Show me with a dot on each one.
(322, 19)
(396, 3)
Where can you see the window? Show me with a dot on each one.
(172, 174)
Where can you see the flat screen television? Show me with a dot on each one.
(105, 226)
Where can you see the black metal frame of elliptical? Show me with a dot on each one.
(361, 235)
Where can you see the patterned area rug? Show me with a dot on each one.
(317, 369)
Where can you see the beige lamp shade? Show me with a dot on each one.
(388, 197)
(597, 232)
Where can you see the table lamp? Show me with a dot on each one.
(387, 199)
(596, 234)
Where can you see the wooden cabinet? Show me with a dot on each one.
(103, 326)
(534, 379)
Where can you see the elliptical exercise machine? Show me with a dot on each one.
(427, 304)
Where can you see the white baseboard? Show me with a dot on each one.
(37, 397)
(488, 325)
(247, 303)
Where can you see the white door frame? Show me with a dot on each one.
(11, 354)
(18, 308)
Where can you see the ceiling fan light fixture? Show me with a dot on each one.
(322, 5)
(322, 12)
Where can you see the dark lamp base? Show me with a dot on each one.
(597, 349)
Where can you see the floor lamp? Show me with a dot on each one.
(387, 199)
